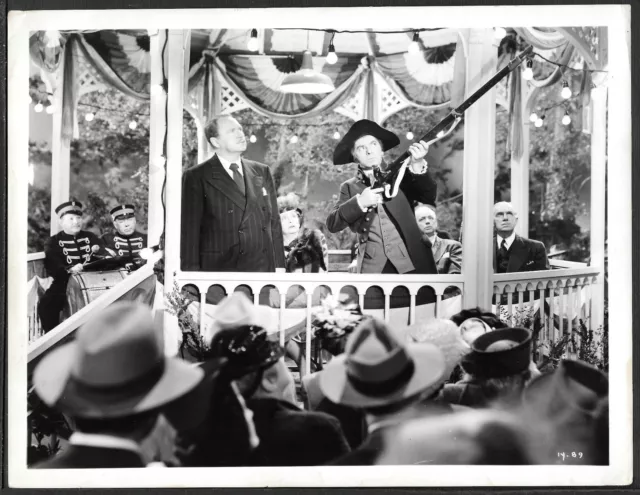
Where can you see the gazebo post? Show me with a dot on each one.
(157, 128)
(520, 166)
(60, 154)
(598, 198)
(179, 41)
(479, 166)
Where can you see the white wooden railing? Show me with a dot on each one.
(310, 282)
(567, 292)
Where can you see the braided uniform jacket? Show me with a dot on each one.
(128, 246)
(62, 251)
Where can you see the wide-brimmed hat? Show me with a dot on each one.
(377, 370)
(115, 367)
(236, 310)
(246, 348)
(342, 154)
(573, 386)
(500, 353)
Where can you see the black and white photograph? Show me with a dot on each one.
(276, 242)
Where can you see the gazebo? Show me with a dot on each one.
(207, 72)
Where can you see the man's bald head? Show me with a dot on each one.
(505, 218)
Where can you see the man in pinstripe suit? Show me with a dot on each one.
(230, 218)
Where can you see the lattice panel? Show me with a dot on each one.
(388, 101)
(89, 79)
(230, 101)
(591, 43)
(353, 108)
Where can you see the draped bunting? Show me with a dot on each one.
(422, 83)
(516, 122)
(257, 79)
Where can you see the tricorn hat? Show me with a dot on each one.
(115, 367)
(500, 353)
(342, 154)
(377, 370)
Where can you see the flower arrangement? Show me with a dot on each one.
(193, 345)
(334, 321)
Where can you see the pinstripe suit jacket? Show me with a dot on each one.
(222, 230)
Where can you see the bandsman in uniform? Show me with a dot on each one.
(65, 253)
(126, 241)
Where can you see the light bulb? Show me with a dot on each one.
(50, 109)
(566, 90)
(132, 125)
(414, 46)
(332, 58)
(252, 138)
(38, 108)
(293, 140)
(336, 135)
(499, 32)
(252, 43)
(566, 120)
(527, 74)
(533, 117)
(89, 117)
(538, 123)
(409, 135)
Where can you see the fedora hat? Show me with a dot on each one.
(500, 353)
(377, 370)
(574, 386)
(237, 310)
(342, 154)
(114, 368)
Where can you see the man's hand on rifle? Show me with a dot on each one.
(418, 151)
(76, 268)
(368, 198)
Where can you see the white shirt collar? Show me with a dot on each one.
(104, 441)
(226, 164)
(509, 240)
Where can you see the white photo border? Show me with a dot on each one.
(616, 17)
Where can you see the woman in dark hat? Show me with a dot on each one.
(389, 238)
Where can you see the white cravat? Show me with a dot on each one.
(227, 166)
(508, 240)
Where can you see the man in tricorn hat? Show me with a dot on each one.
(389, 238)
(113, 381)
(64, 254)
(126, 241)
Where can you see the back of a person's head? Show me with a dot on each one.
(489, 318)
(444, 335)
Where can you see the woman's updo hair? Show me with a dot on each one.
(290, 202)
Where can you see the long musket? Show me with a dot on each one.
(395, 171)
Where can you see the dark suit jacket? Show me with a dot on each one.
(525, 255)
(347, 213)
(222, 230)
(447, 254)
(81, 456)
(290, 436)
